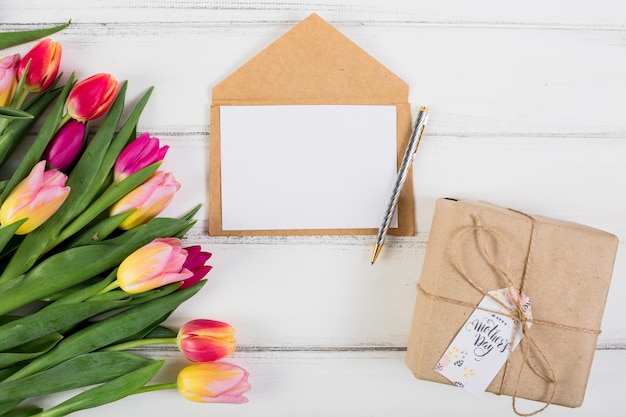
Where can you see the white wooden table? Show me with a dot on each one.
(528, 110)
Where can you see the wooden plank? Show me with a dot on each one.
(478, 81)
(356, 383)
(557, 14)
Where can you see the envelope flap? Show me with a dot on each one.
(313, 63)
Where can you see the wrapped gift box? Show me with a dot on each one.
(564, 268)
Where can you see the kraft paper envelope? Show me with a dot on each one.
(311, 64)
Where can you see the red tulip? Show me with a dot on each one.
(44, 58)
(92, 97)
(206, 340)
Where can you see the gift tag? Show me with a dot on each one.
(482, 346)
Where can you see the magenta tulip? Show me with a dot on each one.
(195, 262)
(66, 145)
(8, 78)
(43, 65)
(92, 97)
(140, 153)
(206, 340)
(36, 198)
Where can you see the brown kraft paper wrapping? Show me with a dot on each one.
(567, 278)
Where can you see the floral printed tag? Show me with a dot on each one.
(482, 346)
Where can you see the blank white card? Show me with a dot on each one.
(306, 166)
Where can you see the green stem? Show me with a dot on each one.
(157, 387)
(65, 119)
(115, 284)
(142, 342)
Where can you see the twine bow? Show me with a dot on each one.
(517, 312)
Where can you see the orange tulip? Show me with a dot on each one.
(214, 382)
(158, 263)
(148, 200)
(36, 198)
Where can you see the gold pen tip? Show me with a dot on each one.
(377, 249)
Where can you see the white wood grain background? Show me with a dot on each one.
(527, 104)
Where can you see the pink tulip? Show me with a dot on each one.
(36, 198)
(158, 263)
(140, 153)
(206, 340)
(148, 200)
(66, 145)
(44, 58)
(92, 97)
(196, 264)
(214, 382)
(8, 78)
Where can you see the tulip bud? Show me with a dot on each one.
(140, 153)
(158, 263)
(44, 58)
(8, 78)
(214, 382)
(195, 263)
(92, 97)
(206, 340)
(37, 198)
(148, 200)
(66, 145)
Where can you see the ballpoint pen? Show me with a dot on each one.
(407, 160)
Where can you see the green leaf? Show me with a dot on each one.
(106, 393)
(6, 407)
(57, 316)
(7, 232)
(7, 372)
(107, 198)
(77, 372)
(76, 265)
(51, 318)
(98, 231)
(23, 412)
(8, 39)
(108, 331)
(20, 127)
(86, 289)
(29, 351)
(10, 113)
(161, 332)
(73, 269)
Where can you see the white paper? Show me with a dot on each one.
(483, 344)
(306, 166)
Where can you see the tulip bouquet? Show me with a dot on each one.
(88, 271)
